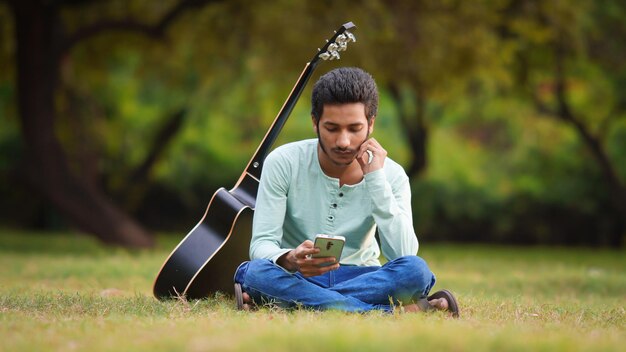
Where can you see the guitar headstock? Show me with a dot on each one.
(339, 42)
(330, 51)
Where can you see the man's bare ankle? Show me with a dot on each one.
(411, 308)
(247, 301)
(439, 303)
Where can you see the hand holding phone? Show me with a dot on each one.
(330, 246)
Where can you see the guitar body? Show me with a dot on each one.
(218, 273)
(206, 259)
(201, 263)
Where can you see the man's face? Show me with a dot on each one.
(341, 130)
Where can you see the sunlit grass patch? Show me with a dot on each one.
(67, 292)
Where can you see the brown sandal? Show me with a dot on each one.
(453, 305)
(239, 296)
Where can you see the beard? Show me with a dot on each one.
(336, 150)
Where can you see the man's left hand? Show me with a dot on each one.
(372, 160)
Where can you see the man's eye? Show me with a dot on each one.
(331, 129)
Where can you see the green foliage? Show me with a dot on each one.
(498, 167)
(509, 175)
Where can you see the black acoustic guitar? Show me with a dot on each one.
(206, 259)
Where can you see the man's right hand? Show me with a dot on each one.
(299, 259)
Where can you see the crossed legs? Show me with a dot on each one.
(405, 280)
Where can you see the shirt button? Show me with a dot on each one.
(331, 217)
(334, 205)
(341, 194)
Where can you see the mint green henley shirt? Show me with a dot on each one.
(297, 200)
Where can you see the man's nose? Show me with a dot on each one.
(343, 140)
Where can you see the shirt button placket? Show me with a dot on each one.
(332, 211)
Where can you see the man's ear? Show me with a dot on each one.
(314, 123)
(370, 127)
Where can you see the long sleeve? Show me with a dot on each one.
(392, 213)
(271, 205)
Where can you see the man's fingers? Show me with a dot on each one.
(318, 270)
(305, 249)
(361, 162)
(312, 266)
(310, 261)
(371, 155)
(304, 253)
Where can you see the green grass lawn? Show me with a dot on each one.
(66, 292)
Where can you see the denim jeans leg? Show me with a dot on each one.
(404, 279)
(265, 282)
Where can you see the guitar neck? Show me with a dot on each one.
(256, 163)
(330, 51)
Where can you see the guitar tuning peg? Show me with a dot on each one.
(334, 55)
(324, 56)
(350, 36)
(342, 47)
(333, 47)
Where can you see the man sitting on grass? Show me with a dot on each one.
(341, 183)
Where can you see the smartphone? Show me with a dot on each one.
(330, 246)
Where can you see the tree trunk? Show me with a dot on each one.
(415, 130)
(47, 168)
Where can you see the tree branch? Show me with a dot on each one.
(134, 190)
(167, 132)
(540, 106)
(564, 112)
(155, 31)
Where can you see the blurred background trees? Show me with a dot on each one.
(123, 117)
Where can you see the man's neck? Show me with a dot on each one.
(347, 174)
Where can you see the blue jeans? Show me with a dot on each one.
(349, 288)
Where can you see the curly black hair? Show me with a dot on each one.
(345, 85)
